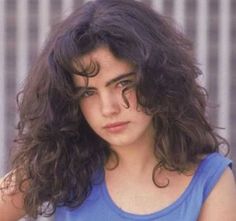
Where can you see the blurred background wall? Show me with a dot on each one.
(210, 24)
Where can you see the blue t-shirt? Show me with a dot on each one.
(100, 207)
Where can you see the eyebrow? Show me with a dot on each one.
(111, 81)
(114, 80)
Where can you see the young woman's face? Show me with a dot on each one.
(104, 107)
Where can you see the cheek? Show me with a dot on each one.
(90, 113)
(132, 99)
(86, 111)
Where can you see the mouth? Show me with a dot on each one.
(116, 127)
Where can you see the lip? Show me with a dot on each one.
(116, 127)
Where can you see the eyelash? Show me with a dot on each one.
(124, 83)
(87, 94)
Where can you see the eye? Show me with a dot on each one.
(87, 93)
(125, 83)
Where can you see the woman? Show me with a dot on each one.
(112, 125)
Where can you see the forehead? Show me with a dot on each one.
(102, 61)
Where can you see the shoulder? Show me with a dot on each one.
(11, 201)
(221, 202)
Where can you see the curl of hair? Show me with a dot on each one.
(57, 151)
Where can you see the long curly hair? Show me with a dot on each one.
(56, 151)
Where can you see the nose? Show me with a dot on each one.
(109, 105)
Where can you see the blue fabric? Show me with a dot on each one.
(100, 207)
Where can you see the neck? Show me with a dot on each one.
(134, 160)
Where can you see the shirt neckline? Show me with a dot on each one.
(159, 213)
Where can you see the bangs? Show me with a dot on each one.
(89, 70)
(69, 50)
(74, 44)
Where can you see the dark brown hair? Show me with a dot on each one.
(57, 152)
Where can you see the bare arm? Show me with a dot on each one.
(221, 203)
(11, 204)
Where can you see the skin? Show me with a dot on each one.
(11, 204)
(102, 104)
